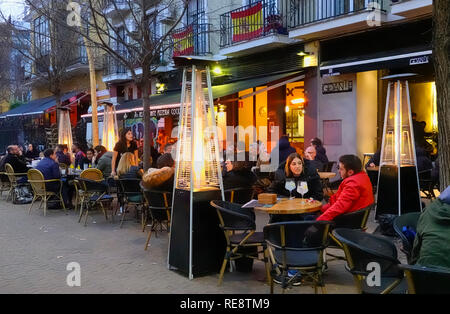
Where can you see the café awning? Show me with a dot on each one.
(172, 98)
(39, 106)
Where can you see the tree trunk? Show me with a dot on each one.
(148, 141)
(93, 81)
(441, 51)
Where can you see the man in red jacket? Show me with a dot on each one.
(354, 193)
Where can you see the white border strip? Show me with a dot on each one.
(408, 55)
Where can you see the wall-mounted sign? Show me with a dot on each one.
(337, 87)
(419, 60)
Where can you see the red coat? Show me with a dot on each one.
(354, 193)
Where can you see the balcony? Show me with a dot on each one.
(192, 40)
(254, 28)
(116, 8)
(311, 19)
(412, 8)
(114, 71)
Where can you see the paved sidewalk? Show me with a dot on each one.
(35, 251)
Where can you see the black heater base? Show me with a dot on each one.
(388, 193)
(208, 240)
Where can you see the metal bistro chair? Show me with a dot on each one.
(132, 196)
(38, 184)
(239, 227)
(13, 181)
(426, 184)
(239, 195)
(159, 206)
(356, 220)
(365, 251)
(91, 174)
(94, 193)
(406, 220)
(297, 245)
(427, 280)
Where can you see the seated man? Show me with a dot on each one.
(311, 154)
(432, 238)
(50, 170)
(354, 193)
(14, 159)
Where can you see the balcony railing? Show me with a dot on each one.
(114, 66)
(79, 56)
(303, 12)
(253, 21)
(191, 40)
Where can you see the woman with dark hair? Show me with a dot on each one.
(320, 150)
(126, 144)
(297, 169)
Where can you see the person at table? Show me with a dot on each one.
(298, 170)
(374, 161)
(62, 154)
(311, 155)
(103, 160)
(128, 167)
(31, 152)
(162, 177)
(432, 235)
(354, 193)
(90, 157)
(18, 164)
(284, 149)
(126, 144)
(321, 153)
(238, 174)
(80, 156)
(50, 170)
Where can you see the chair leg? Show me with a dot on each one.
(86, 217)
(222, 270)
(81, 212)
(45, 206)
(266, 264)
(148, 240)
(32, 203)
(123, 215)
(62, 203)
(104, 211)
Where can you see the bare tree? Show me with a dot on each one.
(441, 52)
(131, 38)
(51, 47)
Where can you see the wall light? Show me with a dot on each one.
(298, 101)
(217, 70)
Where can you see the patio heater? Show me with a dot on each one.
(65, 128)
(197, 244)
(398, 182)
(110, 130)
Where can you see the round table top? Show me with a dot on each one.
(376, 168)
(327, 175)
(292, 206)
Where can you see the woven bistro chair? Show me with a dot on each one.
(38, 184)
(94, 193)
(132, 196)
(5, 185)
(427, 279)
(12, 176)
(91, 174)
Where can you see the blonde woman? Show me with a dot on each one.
(128, 167)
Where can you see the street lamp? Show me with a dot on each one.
(398, 184)
(196, 242)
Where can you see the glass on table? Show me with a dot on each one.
(302, 189)
(290, 186)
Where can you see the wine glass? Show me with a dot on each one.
(302, 188)
(290, 186)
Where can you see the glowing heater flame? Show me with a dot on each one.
(65, 129)
(110, 130)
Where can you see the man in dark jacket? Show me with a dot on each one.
(284, 149)
(431, 245)
(13, 158)
(50, 170)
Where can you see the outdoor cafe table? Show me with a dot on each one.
(327, 175)
(292, 206)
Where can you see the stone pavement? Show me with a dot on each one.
(35, 250)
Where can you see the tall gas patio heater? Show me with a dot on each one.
(398, 181)
(196, 244)
(110, 134)
(65, 129)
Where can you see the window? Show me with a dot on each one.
(196, 12)
(41, 36)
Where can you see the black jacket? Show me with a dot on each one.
(19, 165)
(309, 175)
(238, 179)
